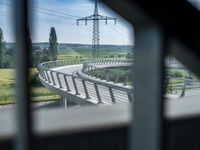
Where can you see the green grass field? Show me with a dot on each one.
(65, 54)
(7, 88)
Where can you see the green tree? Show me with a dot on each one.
(53, 44)
(44, 58)
(2, 48)
(8, 61)
(128, 56)
(37, 56)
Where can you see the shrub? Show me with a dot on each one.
(175, 73)
(34, 79)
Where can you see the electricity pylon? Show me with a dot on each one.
(96, 34)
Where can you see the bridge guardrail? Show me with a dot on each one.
(104, 65)
(85, 88)
(70, 84)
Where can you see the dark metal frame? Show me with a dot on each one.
(24, 118)
(161, 28)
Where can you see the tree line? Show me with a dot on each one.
(38, 55)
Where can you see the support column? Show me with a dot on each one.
(63, 102)
(184, 88)
(148, 87)
(107, 74)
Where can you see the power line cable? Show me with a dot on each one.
(102, 34)
(52, 14)
(127, 35)
(49, 10)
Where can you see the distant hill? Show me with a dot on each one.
(76, 46)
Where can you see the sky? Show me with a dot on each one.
(62, 15)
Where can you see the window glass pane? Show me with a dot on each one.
(79, 55)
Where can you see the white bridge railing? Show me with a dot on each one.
(81, 90)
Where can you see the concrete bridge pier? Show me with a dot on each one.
(63, 102)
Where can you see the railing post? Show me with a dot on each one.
(107, 74)
(75, 86)
(112, 95)
(48, 76)
(130, 97)
(86, 68)
(51, 73)
(117, 78)
(47, 66)
(184, 88)
(98, 94)
(85, 89)
(103, 74)
(126, 80)
(59, 82)
(66, 83)
(43, 74)
(63, 102)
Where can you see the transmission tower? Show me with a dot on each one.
(96, 34)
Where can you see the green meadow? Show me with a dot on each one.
(8, 82)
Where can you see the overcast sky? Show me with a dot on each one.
(62, 15)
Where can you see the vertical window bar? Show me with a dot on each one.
(24, 130)
(148, 102)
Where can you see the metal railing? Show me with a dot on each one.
(84, 87)
(103, 66)
(183, 86)
(78, 88)
(96, 64)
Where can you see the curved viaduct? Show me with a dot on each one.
(73, 81)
